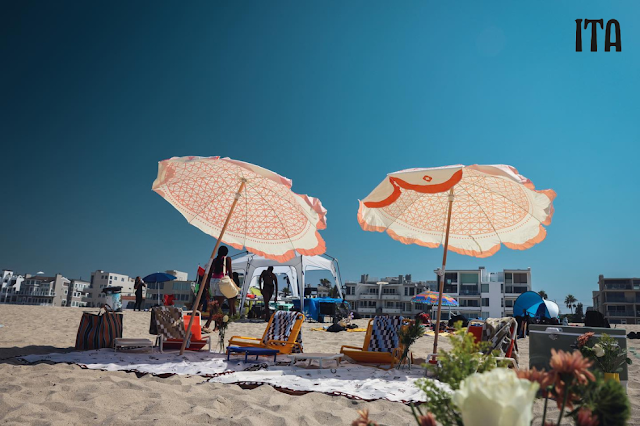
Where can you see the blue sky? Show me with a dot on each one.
(330, 94)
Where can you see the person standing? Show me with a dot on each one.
(268, 283)
(221, 266)
(138, 287)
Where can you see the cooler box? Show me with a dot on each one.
(112, 298)
(543, 338)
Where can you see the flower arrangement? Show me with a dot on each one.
(408, 336)
(482, 394)
(221, 321)
(605, 352)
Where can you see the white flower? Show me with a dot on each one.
(598, 350)
(497, 398)
(225, 318)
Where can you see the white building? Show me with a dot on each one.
(100, 280)
(78, 294)
(483, 294)
(372, 297)
(10, 284)
(38, 290)
(480, 294)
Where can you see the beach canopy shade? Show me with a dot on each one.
(432, 297)
(242, 205)
(471, 210)
(252, 266)
(532, 303)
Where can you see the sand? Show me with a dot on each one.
(67, 394)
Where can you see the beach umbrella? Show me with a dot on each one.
(470, 210)
(158, 277)
(242, 205)
(432, 297)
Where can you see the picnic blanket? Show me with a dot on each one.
(350, 380)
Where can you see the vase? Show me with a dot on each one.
(612, 376)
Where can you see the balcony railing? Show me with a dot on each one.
(620, 313)
(450, 288)
(391, 311)
(618, 287)
(368, 296)
(516, 290)
(366, 310)
(390, 297)
(621, 299)
(469, 293)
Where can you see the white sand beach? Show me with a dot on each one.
(65, 394)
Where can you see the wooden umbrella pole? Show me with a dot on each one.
(207, 274)
(444, 265)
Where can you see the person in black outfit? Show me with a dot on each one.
(138, 286)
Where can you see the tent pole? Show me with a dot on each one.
(444, 264)
(196, 303)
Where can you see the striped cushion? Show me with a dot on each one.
(384, 334)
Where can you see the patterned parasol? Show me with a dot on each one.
(431, 298)
(471, 210)
(242, 205)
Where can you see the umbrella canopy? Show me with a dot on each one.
(491, 205)
(431, 298)
(471, 210)
(268, 219)
(158, 277)
(242, 205)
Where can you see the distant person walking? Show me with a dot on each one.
(138, 287)
(221, 266)
(268, 283)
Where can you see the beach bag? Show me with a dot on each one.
(226, 284)
(97, 331)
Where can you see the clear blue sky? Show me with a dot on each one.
(331, 94)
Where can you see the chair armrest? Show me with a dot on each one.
(281, 342)
(244, 338)
(349, 347)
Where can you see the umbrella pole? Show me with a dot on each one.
(444, 264)
(196, 303)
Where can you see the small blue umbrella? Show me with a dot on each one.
(158, 277)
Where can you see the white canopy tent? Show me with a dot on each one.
(252, 265)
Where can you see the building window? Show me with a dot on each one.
(508, 303)
(484, 288)
(485, 301)
(122, 279)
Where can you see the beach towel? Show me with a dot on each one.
(384, 334)
(167, 321)
(281, 328)
(99, 330)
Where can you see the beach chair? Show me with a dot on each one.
(501, 334)
(381, 343)
(283, 332)
(169, 324)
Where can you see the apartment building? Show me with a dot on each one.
(391, 295)
(480, 294)
(618, 299)
(77, 293)
(10, 284)
(101, 279)
(39, 290)
(484, 294)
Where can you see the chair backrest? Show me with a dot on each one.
(285, 326)
(168, 321)
(196, 328)
(382, 334)
(501, 334)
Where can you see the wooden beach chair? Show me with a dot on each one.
(170, 323)
(381, 343)
(283, 332)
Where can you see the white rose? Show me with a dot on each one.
(225, 318)
(597, 349)
(497, 398)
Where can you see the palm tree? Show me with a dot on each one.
(569, 301)
(543, 294)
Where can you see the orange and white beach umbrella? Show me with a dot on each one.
(269, 219)
(471, 210)
(242, 205)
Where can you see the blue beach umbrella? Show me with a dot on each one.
(158, 277)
